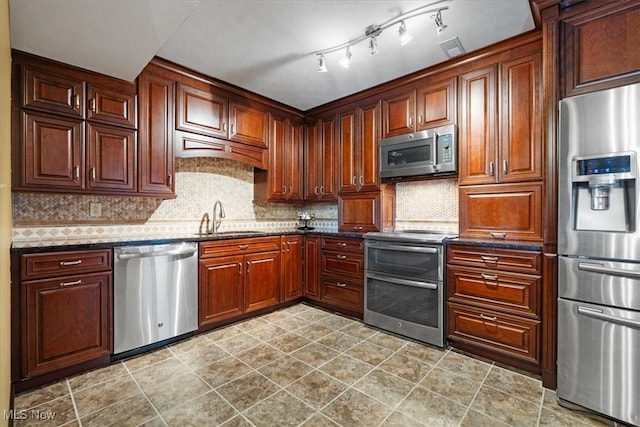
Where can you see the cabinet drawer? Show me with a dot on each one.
(516, 336)
(343, 293)
(494, 258)
(239, 246)
(343, 264)
(110, 106)
(337, 243)
(518, 294)
(53, 264)
(53, 92)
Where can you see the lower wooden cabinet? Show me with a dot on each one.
(220, 289)
(292, 267)
(262, 281)
(312, 267)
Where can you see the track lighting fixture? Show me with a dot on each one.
(404, 36)
(437, 19)
(322, 66)
(372, 32)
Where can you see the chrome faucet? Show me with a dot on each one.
(215, 220)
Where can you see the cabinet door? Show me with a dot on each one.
(329, 161)
(51, 152)
(312, 267)
(293, 161)
(111, 107)
(292, 268)
(67, 322)
(369, 135)
(220, 288)
(520, 120)
(111, 158)
(53, 92)
(348, 173)
(155, 148)
(477, 133)
(200, 111)
(313, 161)
(397, 114)
(359, 212)
(249, 125)
(436, 104)
(262, 281)
(277, 186)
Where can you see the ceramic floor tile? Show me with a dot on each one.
(465, 366)
(505, 407)
(41, 395)
(252, 323)
(276, 317)
(515, 383)
(238, 421)
(422, 352)
(222, 333)
(346, 369)
(289, 342)
(475, 419)
(91, 378)
(387, 341)
(168, 394)
(148, 359)
(450, 385)
(298, 308)
(55, 412)
(370, 353)
(267, 332)
(285, 370)
(94, 398)
(160, 372)
(358, 330)
(318, 420)
(293, 323)
(316, 389)
(353, 408)
(223, 371)
(154, 422)
(314, 315)
(281, 409)
(406, 367)
(260, 355)
(559, 412)
(207, 409)
(313, 332)
(133, 411)
(238, 343)
(398, 419)
(246, 391)
(431, 408)
(339, 341)
(384, 387)
(335, 322)
(202, 356)
(190, 344)
(315, 354)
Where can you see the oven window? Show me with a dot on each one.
(408, 303)
(409, 155)
(393, 259)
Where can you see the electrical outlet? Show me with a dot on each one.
(95, 210)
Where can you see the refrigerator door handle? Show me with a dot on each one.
(598, 314)
(601, 268)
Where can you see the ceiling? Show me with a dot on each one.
(264, 46)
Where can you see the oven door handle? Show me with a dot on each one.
(404, 282)
(388, 247)
(601, 268)
(598, 314)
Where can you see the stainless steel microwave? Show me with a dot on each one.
(428, 152)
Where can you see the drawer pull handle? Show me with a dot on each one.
(490, 318)
(358, 228)
(65, 263)
(489, 276)
(342, 244)
(77, 282)
(342, 285)
(341, 256)
(499, 236)
(243, 247)
(489, 258)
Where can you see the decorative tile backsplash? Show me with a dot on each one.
(427, 205)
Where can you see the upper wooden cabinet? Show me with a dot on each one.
(500, 122)
(358, 135)
(320, 160)
(111, 157)
(110, 106)
(431, 103)
(283, 180)
(600, 47)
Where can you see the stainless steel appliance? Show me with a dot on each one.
(428, 152)
(155, 293)
(404, 284)
(599, 253)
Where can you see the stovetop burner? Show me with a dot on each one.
(424, 236)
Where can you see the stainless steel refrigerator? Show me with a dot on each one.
(599, 253)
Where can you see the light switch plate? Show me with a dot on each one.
(95, 210)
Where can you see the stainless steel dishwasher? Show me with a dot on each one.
(155, 293)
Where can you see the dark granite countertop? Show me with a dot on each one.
(502, 244)
(53, 245)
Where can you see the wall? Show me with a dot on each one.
(5, 209)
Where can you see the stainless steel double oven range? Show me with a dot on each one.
(404, 284)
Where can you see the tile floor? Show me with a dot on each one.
(299, 366)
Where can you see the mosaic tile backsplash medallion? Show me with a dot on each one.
(427, 205)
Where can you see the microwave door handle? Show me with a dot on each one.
(387, 247)
(601, 268)
(434, 151)
(403, 282)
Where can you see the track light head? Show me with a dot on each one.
(437, 20)
(404, 36)
(346, 58)
(373, 46)
(322, 65)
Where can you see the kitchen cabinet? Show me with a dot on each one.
(600, 47)
(367, 211)
(425, 105)
(320, 160)
(292, 267)
(342, 274)
(283, 181)
(312, 267)
(237, 276)
(65, 304)
(358, 135)
(111, 157)
(500, 122)
(494, 307)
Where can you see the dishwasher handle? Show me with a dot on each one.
(189, 251)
